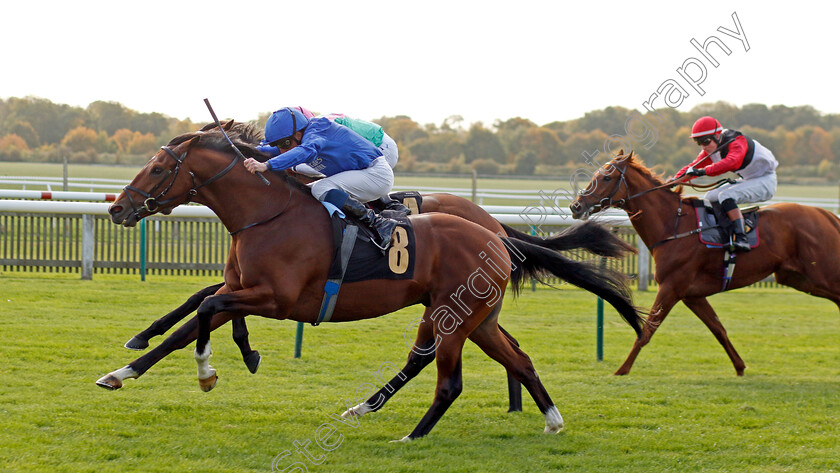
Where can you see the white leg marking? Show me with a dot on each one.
(203, 360)
(553, 421)
(124, 373)
(357, 411)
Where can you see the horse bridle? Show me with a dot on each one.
(153, 204)
(607, 201)
(622, 180)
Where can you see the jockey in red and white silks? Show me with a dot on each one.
(730, 151)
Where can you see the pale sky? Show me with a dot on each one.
(483, 60)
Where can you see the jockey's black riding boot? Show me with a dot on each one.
(386, 203)
(739, 236)
(720, 214)
(382, 227)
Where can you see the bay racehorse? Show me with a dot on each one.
(278, 265)
(588, 236)
(799, 244)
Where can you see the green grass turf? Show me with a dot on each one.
(681, 409)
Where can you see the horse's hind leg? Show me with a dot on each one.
(449, 381)
(163, 324)
(701, 307)
(422, 353)
(489, 337)
(514, 386)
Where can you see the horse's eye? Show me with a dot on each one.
(607, 178)
(157, 170)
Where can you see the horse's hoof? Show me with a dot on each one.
(137, 343)
(109, 381)
(405, 439)
(554, 429)
(553, 421)
(209, 383)
(252, 361)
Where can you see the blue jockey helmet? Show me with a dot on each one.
(284, 123)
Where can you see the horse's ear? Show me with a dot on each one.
(188, 144)
(227, 125)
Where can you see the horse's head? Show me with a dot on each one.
(608, 188)
(164, 183)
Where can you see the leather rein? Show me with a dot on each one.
(152, 203)
(608, 201)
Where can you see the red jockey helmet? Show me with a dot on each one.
(706, 126)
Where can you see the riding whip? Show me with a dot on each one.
(238, 153)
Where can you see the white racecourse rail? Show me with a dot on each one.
(540, 215)
(11, 203)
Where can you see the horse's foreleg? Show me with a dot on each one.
(662, 305)
(702, 309)
(235, 305)
(251, 357)
(422, 353)
(179, 339)
(163, 324)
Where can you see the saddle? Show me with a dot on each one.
(714, 235)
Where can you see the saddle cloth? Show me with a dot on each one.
(411, 199)
(367, 261)
(713, 236)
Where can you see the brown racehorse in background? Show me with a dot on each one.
(799, 244)
(278, 265)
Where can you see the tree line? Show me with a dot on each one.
(805, 141)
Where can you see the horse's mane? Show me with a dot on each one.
(636, 163)
(245, 136)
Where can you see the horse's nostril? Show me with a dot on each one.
(115, 209)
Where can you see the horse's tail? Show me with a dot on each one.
(589, 236)
(529, 260)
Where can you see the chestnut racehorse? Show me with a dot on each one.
(281, 252)
(799, 244)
